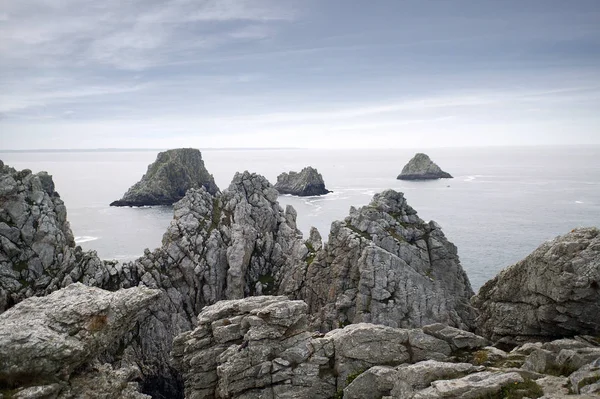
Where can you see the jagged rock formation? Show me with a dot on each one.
(37, 249)
(421, 167)
(262, 347)
(307, 183)
(554, 292)
(383, 265)
(49, 344)
(168, 179)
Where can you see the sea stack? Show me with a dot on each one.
(421, 167)
(168, 179)
(307, 183)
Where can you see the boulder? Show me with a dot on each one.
(421, 167)
(552, 293)
(306, 183)
(168, 179)
(53, 338)
(384, 265)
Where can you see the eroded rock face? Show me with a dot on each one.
(227, 246)
(383, 265)
(168, 179)
(37, 249)
(307, 182)
(421, 167)
(261, 347)
(49, 340)
(552, 293)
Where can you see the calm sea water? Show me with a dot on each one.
(502, 203)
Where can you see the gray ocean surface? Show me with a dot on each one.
(501, 205)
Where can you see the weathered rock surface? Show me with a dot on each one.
(48, 343)
(421, 167)
(37, 249)
(168, 179)
(307, 182)
(552, 293)
(383, 265)
(261, 347)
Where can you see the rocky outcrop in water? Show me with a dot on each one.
(552, 293)
(383, 265)
(262, 347)
(307, 182)
(55, 344)
(168, 179)
(421, 167)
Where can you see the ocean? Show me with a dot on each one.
(502, 203)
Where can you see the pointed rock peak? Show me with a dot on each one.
(168, 179)
(307, 183)
(421, 167)
(389, 201)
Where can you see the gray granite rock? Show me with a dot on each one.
(383, 265)
(552, 293)
(52, 338)
(421, 167)
(37, 249)
(307, 182)
(168, 179)
(262, 347)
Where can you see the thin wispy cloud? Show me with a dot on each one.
(297, 73)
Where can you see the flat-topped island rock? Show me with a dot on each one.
(168, 179)
(421, 167)
(306, 183)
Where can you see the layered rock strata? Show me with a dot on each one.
(554, 292)
(307, 182)
(168, 179)
(421, 167)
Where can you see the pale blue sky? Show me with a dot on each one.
(303, 73)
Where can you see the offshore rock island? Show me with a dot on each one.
(308, 182)
(421, 167)
(168, 179)
(236, 304)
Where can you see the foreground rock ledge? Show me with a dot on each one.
(307, 183)
(168, 179)
(421, 167)
(554, 292)
(54, 340)
(261, 347)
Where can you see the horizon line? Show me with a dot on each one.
(139, 149)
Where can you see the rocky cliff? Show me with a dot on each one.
(307, 182)
(552, 293)
(421, 167)
(383, 265)
(168, 179)
(37, 249)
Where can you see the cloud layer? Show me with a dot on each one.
(272, 73)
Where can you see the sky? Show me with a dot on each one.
(298, 73)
